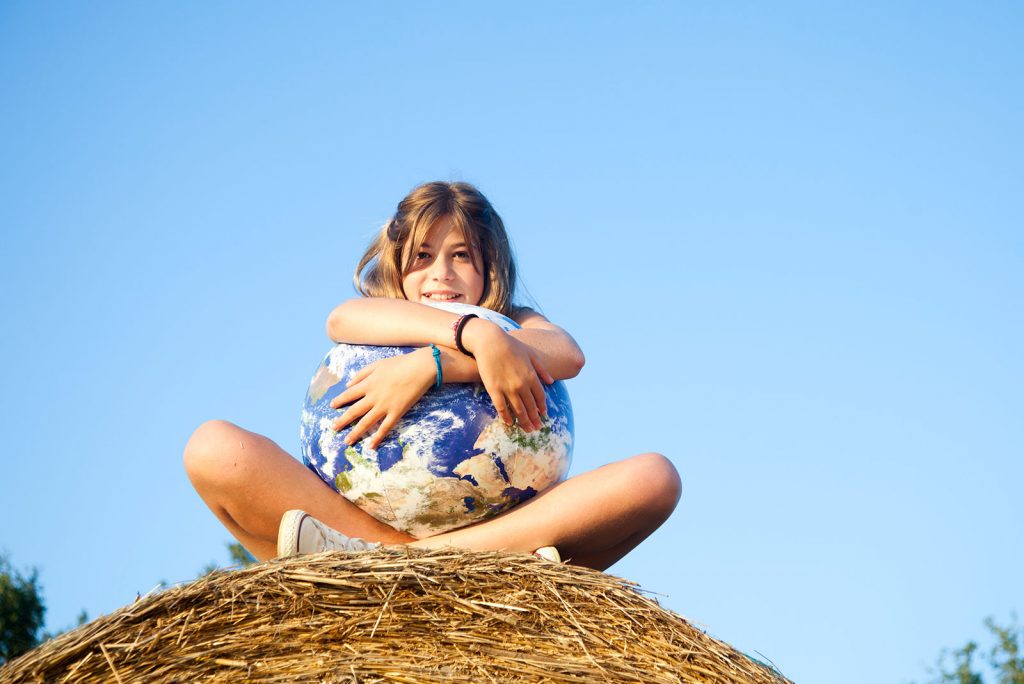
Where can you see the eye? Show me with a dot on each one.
(420, 256)
(462, 254)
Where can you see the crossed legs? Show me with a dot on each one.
(248, 482)
(593, 519)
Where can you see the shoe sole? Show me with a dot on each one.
(548, 553)
(288, 533)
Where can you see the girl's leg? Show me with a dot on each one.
(594, 519)
(249, 482)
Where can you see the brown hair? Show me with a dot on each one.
(386, 262)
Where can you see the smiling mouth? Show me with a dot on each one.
(442, 296)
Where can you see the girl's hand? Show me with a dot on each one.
(510, 372)
(383, 392)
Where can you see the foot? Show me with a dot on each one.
(548, 553)
(300, 533)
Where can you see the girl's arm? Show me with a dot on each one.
(511, 369)
(563, 357)
(398, 322)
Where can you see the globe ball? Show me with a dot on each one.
(449, 462)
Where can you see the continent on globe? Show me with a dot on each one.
(449, 462)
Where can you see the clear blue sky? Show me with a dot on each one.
(789, 240)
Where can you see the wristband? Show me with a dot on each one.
(437, 361)
(459, 326)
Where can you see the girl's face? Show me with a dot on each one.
(444, 269)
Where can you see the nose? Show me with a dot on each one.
(441, 269)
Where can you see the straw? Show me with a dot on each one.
(393, 616)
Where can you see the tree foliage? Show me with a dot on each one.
(22, 608)
(240, 555)
(21, 611)
(1003, 659)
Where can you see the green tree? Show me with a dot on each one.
(965, 665)
(21, 610)
(238, 556)
(82, 618)
(1005, 657)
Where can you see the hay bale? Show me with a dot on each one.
(392, 616)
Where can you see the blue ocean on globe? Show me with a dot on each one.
(449, 462)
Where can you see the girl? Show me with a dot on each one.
(445, 243)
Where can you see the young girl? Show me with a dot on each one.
(444, 244)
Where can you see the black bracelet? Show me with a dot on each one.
(458, 334)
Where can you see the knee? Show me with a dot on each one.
(660, 481)
(208, 448)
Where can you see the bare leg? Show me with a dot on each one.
(594, 519)
(248, 482)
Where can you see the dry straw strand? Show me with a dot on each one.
(392, 615)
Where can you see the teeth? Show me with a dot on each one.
(443, 297)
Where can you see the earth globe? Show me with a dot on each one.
(449, 462)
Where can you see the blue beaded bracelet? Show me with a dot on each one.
(437, 362)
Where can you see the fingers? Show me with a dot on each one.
(369, 419)
(535, 386)
(347, 397)
(540, 399)
(525, 407)
(352, 389)
(365, 423)
(522, 401)
(354, 411)
(383, 392)
(522, 415)
(501, 406)
(542, 372)
(530, 400)
(360, 374)
(382, 431)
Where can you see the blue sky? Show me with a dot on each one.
(788, 239)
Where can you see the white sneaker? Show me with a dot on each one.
(548, 553)
(300, 533)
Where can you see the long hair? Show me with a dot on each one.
(391, 254)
